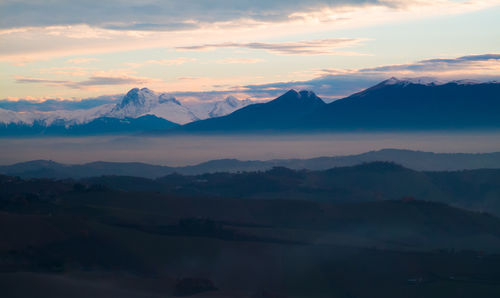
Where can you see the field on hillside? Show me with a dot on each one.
(88, 238)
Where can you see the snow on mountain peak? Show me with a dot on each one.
(138, 98)
(139, 102)
(227, 106)
(232, 101)
(135, 103)
(466, 82)
(428, 81)
(164, 97)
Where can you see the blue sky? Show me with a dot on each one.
(206, 49)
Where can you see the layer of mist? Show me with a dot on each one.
(186, 150)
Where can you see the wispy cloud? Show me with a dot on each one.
(59, 27)
(239, 61)
(328, 83)
(176, 61)
(74, 71)
(81, 60)
(306, 47)
(470, 64)
(174, 15)
(331, 84)
(22, 80)
(156, 15)
(335, 83)
(92, 81)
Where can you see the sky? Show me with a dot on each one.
(203, 50)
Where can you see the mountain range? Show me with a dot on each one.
(419, 104)
(392, 105)
(139, 110)
(416, 160)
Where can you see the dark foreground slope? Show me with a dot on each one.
(67, 239)
(474, 189)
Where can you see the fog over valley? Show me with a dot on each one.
(186, 150)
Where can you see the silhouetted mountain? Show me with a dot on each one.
(392, 105)
(274, 115)
(417, 160)
(408, 105)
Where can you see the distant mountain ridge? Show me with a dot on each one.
(135, 107)
(416, 160)
(418, 104)
(405, 105)
(393, 105)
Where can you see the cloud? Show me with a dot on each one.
(239, 61)
(52, 104)
(41, 30)
(305, 47)
(74, 71)
(331, 84)
(93, 81)
(329, 87)
(153, 27)
(22, 80)
(176, 61)
(441, 66)
(155, 15)
(81, 60)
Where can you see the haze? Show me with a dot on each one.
(185, 150)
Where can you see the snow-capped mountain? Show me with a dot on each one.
(135, 104)
(418, 81)
(68, 117)
(430, 81)
(139, 102)
(227, 106)
(205, 110)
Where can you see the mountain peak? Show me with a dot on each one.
(307, 94)
(138, 97)
(139, 102)
(232, 101)
(227, 106)
(164, 97)
(302, 97)
(291, 92)
(133, 91)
